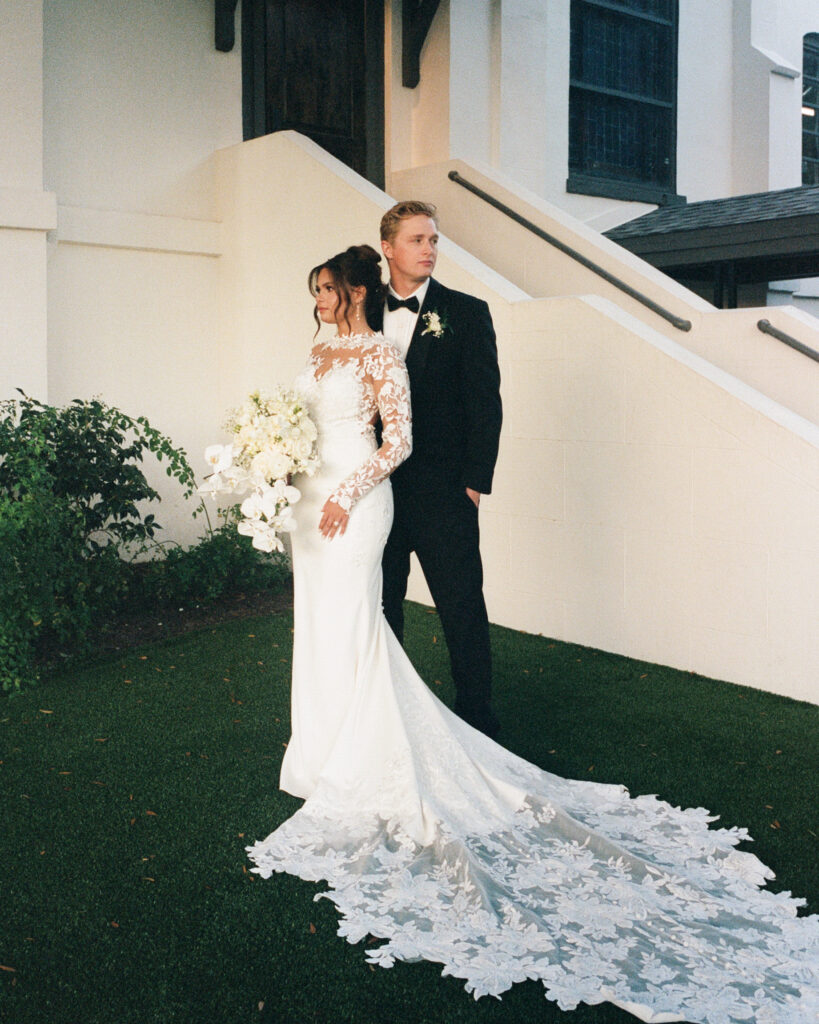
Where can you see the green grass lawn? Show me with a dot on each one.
(131, 785)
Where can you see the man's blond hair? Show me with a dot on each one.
(391, 221)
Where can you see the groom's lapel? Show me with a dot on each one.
(420, 342)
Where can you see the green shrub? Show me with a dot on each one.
(91, 455)
(222, 562)
(39, 536)
(70, 484)
(72, 519)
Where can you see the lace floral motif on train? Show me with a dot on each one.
(383, 390)
(536, 900)
(457, 851)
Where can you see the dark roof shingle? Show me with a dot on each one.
(715, 213)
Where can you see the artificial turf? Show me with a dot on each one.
(132, 783)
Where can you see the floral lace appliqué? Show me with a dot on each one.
(384, 393)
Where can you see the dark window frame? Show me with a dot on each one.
(810, 125)
(583, 179)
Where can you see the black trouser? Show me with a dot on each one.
(442, 530)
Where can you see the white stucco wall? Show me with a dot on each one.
(137, 100)
(472, 83)
(417, 120)
(777, 33)
(21, 111)
(496, 76)
(26, 211)
(704, 83)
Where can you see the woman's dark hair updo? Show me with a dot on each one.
(356, 267)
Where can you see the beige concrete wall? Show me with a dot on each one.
(728, 338)
(646, 501)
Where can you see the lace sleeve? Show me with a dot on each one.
(385, 371)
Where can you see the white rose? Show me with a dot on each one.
(302, 448)
(270, 464)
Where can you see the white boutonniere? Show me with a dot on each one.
(435, 324)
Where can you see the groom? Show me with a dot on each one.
(448, 342)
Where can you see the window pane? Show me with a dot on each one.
(619, 47)
(810, 103)
(662, 8)
(658, 8)
(810, 63)
(810, 172)
(614, 51)
(621, 139)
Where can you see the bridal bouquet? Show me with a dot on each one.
(273, 437)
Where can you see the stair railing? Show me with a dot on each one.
(677, 321)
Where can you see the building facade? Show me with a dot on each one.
(657, 487)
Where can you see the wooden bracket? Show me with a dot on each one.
(416, 18)
(225, 26)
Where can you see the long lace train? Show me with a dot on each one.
(458, 852)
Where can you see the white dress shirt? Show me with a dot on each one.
(399, 325)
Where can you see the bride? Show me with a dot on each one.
(434, 838)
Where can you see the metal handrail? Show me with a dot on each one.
(768, 328)
(677, 321)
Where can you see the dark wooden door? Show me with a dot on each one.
(322, 65)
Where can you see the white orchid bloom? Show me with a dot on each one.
(219, 456)
(259, 531)
(270, 503)
(263, 538)
(285, 521)
(252, 509)
(285, 493)
(235, 479)
(212, 486)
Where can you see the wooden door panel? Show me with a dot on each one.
(322, 62)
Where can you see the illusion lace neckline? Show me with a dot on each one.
(347, 340)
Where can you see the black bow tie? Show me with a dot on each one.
(393, 303)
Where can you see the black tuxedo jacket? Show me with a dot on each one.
(455, 391)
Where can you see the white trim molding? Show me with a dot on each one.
(27, 209)
(115, 229)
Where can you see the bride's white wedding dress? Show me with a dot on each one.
(454, 850)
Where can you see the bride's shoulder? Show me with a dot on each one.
(377, 342)
(379, 358)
